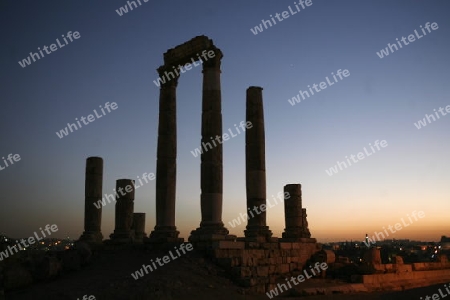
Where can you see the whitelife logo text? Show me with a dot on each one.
(71, 36)
(89, 119)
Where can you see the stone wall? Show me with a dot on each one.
(400, 276)
(258, 265)
(431, 266)
(405, 280)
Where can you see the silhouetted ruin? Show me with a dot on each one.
(256, 260)
(93, 192)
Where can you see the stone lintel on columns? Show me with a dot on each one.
(192, 49)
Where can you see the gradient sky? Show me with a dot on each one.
(116, 59)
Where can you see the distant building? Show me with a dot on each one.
(445, 243)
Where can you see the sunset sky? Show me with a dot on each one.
(115, 60)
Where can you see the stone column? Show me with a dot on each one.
(124, 211)
(211, 178)
(166, 164)
(306, 233)
(255, 166)
(139, 227)
(372, 256)
(295, 216)
(93, 193)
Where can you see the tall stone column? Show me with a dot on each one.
(166, 164)
(124, 211)
(211, 178)
(295, 215)
(305, 232)
(92, 193)
(139, 227)
(255, 167)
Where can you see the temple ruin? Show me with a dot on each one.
(211, 225)
(257, 259)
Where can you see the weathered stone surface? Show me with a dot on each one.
(71, 260)
(372, 256)
(402, 280)
(49, 268)
(93, 193)
(259, 266)
(166, 165)
(211, 169)
(295, 215)
(84, 251)
(123, 232)
(138, 227)
(17, 277)
(228, 245)
(326, 256)
(399, 260)
(182, 54)
(255, 167)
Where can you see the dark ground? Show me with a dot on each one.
(187, 277)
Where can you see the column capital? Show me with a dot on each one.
(214, 62)
(169, 76)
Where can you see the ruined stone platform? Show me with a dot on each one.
(258, 265)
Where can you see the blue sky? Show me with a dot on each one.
(116, 58)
